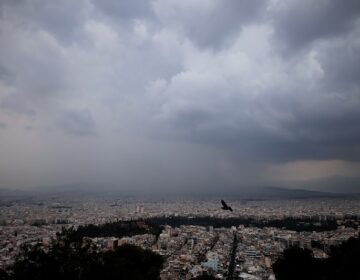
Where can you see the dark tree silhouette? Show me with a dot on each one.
(344, 260)
(296, 264)
(3, 275)
(74, 258)
(297, 224)
(342, 263)
(132, 263)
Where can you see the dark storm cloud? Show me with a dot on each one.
(311, 112)
(299, 23)
(341, 59)
(325, 128)
(178, 93)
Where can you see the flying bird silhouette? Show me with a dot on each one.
(225, 206)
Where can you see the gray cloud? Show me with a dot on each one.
(77, 122)
(281, 110)
(299, 23)
(62, 19)
(209, 23)
(340, 60)
(178, 93)
(123, 9)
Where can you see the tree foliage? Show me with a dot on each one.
(342, 263)
(117, 229)
(297, 224)
(74, 258)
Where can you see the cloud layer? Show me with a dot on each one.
(177, 94)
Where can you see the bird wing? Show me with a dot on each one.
(223, 203)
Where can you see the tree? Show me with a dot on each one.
(75, 258)
(132, 263)
(296, 264)
(343, 263)
(344, 260)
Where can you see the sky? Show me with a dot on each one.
(178, 96)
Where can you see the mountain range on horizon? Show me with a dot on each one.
(323, 187)
(333, 184)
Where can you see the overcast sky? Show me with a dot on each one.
(178, 95)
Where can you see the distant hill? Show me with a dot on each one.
(293, 193)
(334, 184)
(330, 187)
(276, 192)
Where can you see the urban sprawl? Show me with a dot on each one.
(190, 250)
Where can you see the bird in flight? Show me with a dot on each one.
(225, 206)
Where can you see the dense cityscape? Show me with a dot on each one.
(244, 250)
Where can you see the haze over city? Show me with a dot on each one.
(179, 96)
